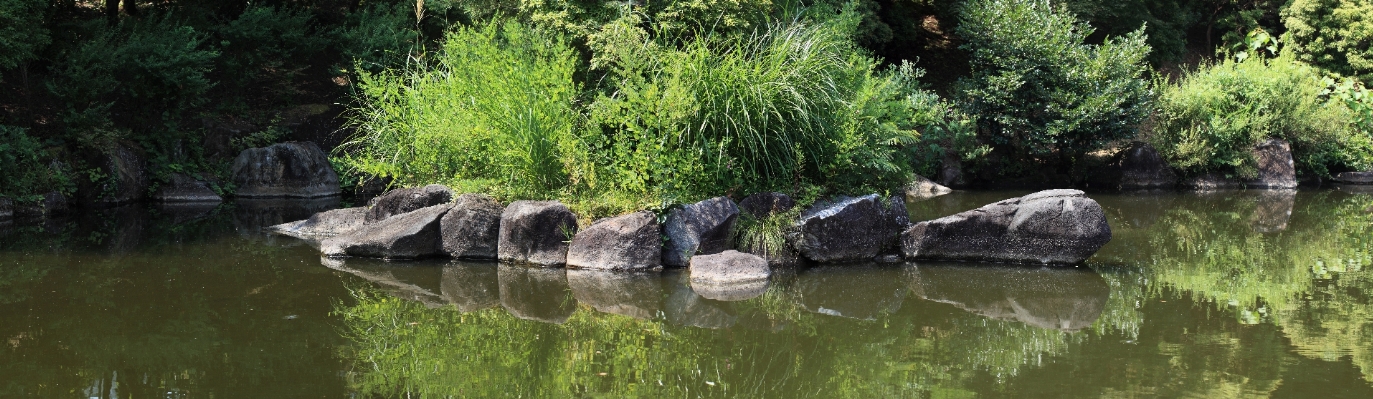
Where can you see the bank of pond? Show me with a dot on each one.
(1235, 293)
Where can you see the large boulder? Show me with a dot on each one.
(1141, 167)
(536, 232)
(626, 242)
(701, 228)
(539, 294)
(471, 286)
(637, 295)
(1276, 168)
(472, 228)
(325, 224)
(293, 169)
(405, 236)
(404, 200)
(920, 188)
(850, 229)
(1052, 226)
(124, 178)
(182, 188)
(1353, 178)
(729, 275)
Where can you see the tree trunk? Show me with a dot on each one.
(112, 10)
(131, 7)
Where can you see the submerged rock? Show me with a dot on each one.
(850, 228)
(1141, 167)
(292, 169)
(536, 232)
(405, 236)
(701, 228)
(403, 200)
(637, 295)
(182, 188)
(1052, 226)
(626, 242)
(471, 286)
(539, 294)
(325, 224)
(472, 228)
(1276, 168)
(920, 188)
(1067, 299)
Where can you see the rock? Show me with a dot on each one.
(701, 228)
(404, 200)
(536, 232)
(471, 286)
(1211, 182)
(293, 169)
(472, 228)
(729, 276)
(1276, 168)
(1141, 167)
(1052, 226)
(920, 188)
(124, 179)
(637, 295)
(370, 188)
(855, 292)
(182, 188)
(538, 294)
(1353, 178)
(1068, 299)
(1273, 211)
(626, 242)
(850, 228)
(405, 236)
(325, 224)
(951, 171)
(762, 205)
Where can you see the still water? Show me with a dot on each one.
(1235, 294)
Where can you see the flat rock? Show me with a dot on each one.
(536, 232)
(850, 229)
(539, 294)
(1353, 178)
(1141, 167)
(405, 236)
(626, 242)
(472, 228)
(729, 276)
(1276, 167)
(471, 286)
(1052, 226)
(637, 295)
(290, 170)
(403, 200)
(701, 228)
(325, 224)
(920, 188)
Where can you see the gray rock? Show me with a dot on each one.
(626, 242)
(1276, 168)
(1052, 226)
(1141, 167)
(125, 178)
(539, 294)
(182, 188)
(951, 171)
(293, 169)
(701, 228)
(920, 188)
(1068, 299)
(637, 295)
(1353, 178)
(850, 229)
(471, 286)
(1211, 182)
(762, 205)
(536, 232)
(472, 228)
(729, 276)
(404, 200)
(405, 236)
(325, 224)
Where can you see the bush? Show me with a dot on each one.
(1334, 35)
(1211, 120)
(494, 108)
(22, 34)
(27, 175)
(266, 48)
(378, 37)
(1041, 91)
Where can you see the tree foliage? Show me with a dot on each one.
(1336, 35)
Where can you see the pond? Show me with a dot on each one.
(1231, 294)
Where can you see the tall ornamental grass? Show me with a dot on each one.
(492, 110)
(1212, 118)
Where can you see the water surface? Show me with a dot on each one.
(1233, 294)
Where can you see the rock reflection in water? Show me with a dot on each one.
(419, 282)
(687, 308)
(181, 213)
(1066, 299)
(852, 291)
(638, 295)
(251, 215)
(539, 294)
(471, 286)
(1274, 210)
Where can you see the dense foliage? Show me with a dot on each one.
(1335, 35)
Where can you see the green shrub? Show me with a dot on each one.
(22, 34)
(377, 37)
(1211, 119)
(494, 108)
(266, 48)
(1336, 35)
(945, 131)
(1038, 90)
(25, 162)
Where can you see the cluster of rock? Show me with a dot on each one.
(1141, 167)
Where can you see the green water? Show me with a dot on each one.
(1238, 294)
